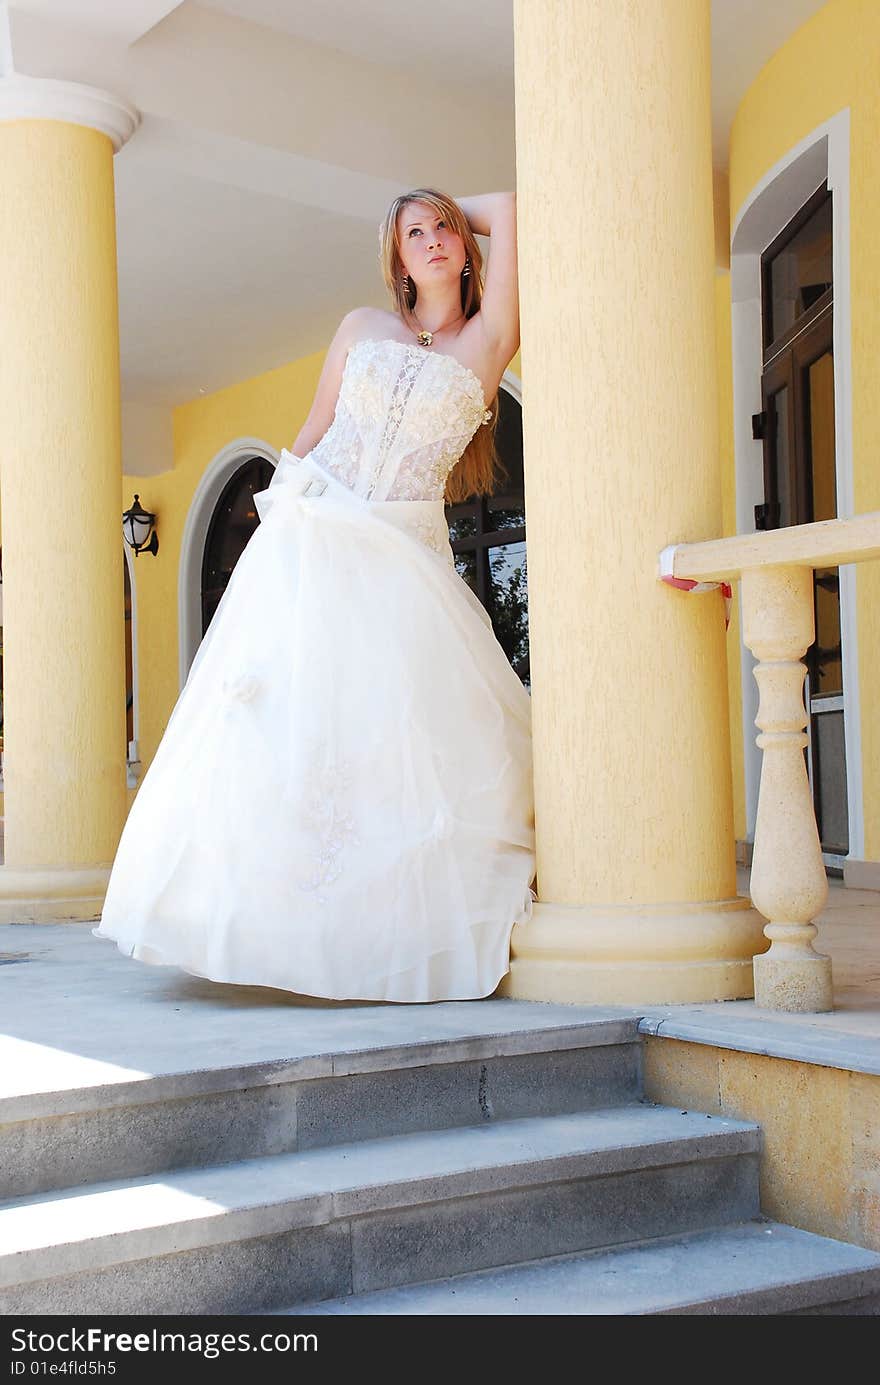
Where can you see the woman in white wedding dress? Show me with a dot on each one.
(341, 805)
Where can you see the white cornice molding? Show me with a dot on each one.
(46, 98)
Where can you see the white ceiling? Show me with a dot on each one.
(274, 134)
(455, 41)
(125, 19)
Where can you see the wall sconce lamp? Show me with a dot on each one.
(138, 528)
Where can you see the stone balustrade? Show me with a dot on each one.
(788, 881)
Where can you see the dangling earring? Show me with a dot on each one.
(467, 268)
(405, 283)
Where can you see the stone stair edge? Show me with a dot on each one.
(277, 1209)
(203, 1081)
(857, 1274)
(767, 1035)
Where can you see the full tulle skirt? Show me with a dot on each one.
(341, 804)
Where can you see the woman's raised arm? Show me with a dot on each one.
(493, 214)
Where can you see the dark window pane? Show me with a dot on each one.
(801, 272)
(234, 520)
(829, 781)
(466, 567)
(510, 604)
(496, 572)
(824, 659)
(820, 405)
(504, 513)
(461, 526)
(826, 675)
(782, 455)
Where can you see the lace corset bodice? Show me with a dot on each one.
(404, 416)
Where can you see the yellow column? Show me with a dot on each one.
(60, 468)
(636, 871)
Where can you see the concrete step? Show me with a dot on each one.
(758, 1267)
(350, 1218)
(102, 1126)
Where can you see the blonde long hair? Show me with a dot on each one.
(477, 471)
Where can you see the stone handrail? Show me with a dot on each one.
(825, 544)
(788, 881)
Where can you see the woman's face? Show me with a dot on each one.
(429, 249)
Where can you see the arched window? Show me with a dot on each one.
(234, 520)
(488, 537)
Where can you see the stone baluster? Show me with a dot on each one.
(788, 883)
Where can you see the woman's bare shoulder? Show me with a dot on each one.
(370, 322)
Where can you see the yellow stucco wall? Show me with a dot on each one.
(820, 1159)
(271, 407)
(830, 63)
